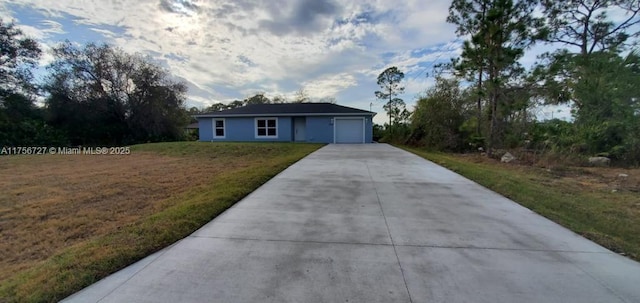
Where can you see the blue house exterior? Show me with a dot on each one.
(288, 122)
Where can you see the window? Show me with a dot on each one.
(266, 128)
(218, 128)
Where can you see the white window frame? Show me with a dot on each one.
(224, 128)
(266, 127)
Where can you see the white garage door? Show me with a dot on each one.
(349, 130)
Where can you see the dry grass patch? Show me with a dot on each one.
(69, 220)
(52, 202)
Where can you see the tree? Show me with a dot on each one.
(378, 132)
(609, 109)
(499, 31)
(21, 122)
(194, 111)
(390, 83)
(584, 24)
(440, 119)
(331, 100)
(398, 110)
(101, 95)
(301, 96)
(216, 107)
(471, 65)
(18, 55)
(235, 104)
(590, 74)
(279, 99)
(258, 98)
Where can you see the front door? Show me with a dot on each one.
(299, 128)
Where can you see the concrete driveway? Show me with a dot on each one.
(372, 223)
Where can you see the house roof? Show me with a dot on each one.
(288, 109)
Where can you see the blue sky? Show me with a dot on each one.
(232, 49)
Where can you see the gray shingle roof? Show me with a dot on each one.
(288, 109)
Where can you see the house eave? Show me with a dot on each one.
(283, 115)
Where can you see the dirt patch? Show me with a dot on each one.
(51, 202)
(589, 178)
(617, 178)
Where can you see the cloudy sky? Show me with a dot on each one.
(232, 49)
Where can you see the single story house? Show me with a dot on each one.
(288, 122)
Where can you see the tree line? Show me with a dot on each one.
(300, 96)
(90, 95)
(485, 98)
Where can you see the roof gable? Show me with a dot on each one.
(288, 109)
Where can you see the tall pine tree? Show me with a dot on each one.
(497, 32)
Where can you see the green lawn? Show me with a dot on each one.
(110, 211)
(572, 197)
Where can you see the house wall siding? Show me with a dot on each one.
(243, 129)
(205, 129)
(319, 129)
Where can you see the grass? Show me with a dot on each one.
(592, 202)
(66, 221)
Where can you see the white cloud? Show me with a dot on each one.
(53, 27)
(32, 32)
(106, 33)
(5, 13)
(329, 86)
(250, 46)
(200, 102)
